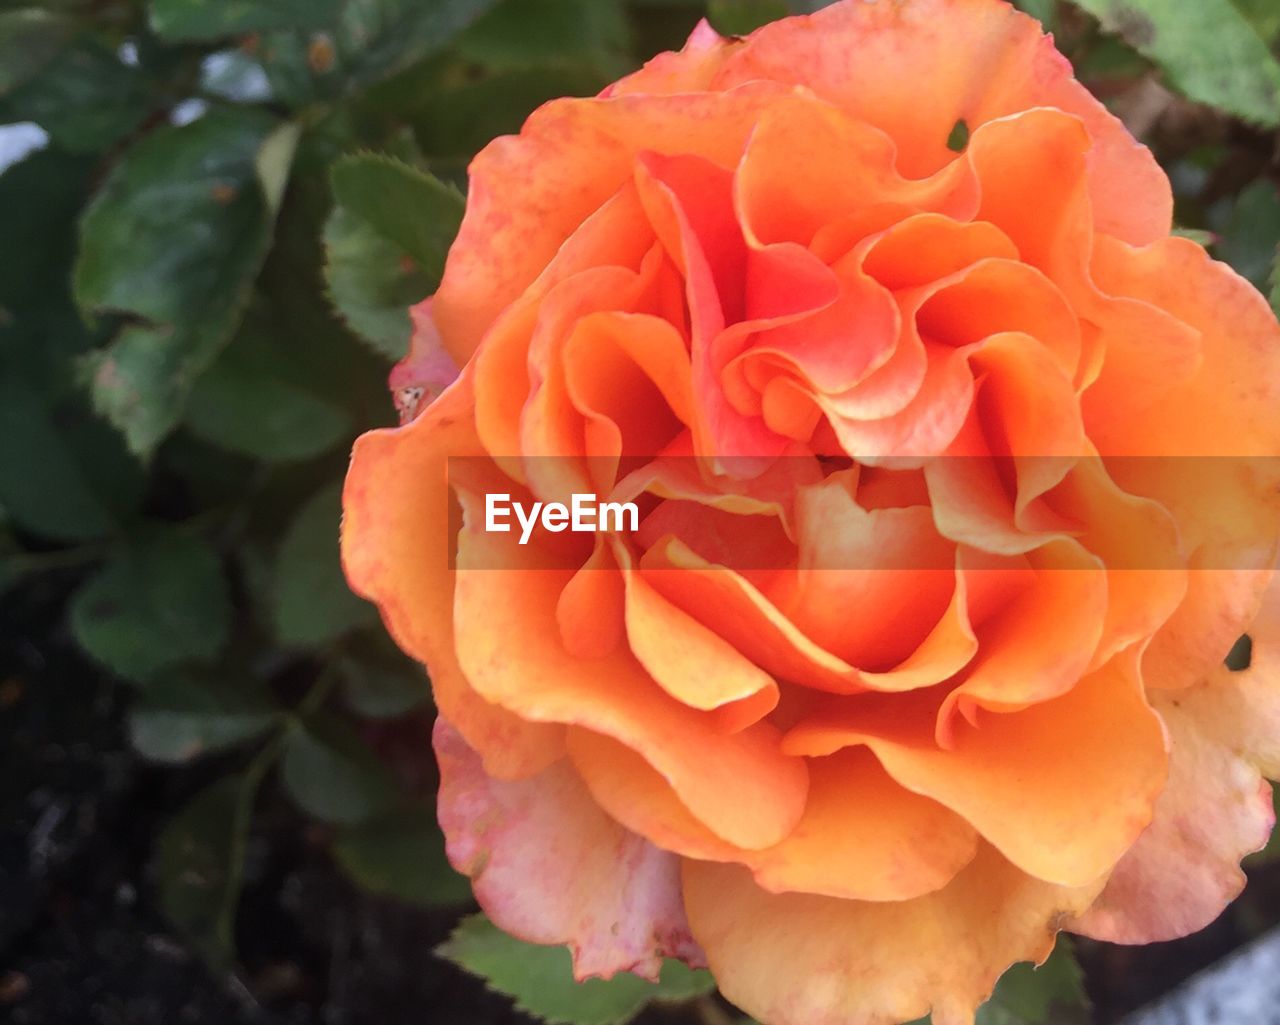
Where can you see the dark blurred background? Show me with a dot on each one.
(216, 797)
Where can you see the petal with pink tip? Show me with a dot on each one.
(548, 866)
(1224, 737)
(803, 959)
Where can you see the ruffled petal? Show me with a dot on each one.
(691, 663)
(862, 837)
(530, 192)
(974, 61)
(1206, 449)
(1026, 780)
(1224, 738)
(803, 959)
(548, 866)
(509, 647)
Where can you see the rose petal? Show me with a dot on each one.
(850, 167)
(1025, 421)
(863, 837)
(692, 664)
(589, 611)
(927, 393)
(924, 248)
(629, 375)
(426, 371)
(1224, 738)
(1026, 780)
(396, 552)
(548, 866)
(687, 70)
(530, 192)
(508, 646)
(736, 610)
(871, 584)
(834, 348)
(1205, 449)
(1137, 540)
(995, 296)
(636, 795)
(803, 959)
(1042, 641)
(976, 61)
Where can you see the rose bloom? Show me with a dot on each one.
(956, 488)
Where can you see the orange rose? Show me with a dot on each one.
(955, 482)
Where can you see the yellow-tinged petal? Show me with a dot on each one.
(396, 550)
(802, 959)
(1061, 788)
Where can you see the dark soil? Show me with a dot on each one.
(82, 941)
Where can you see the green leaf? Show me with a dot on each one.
(64, 474)
(325, 355)
(29, 39)
(1240, 657)
(378, 682)
(1265, 16)
(1109, 59)
(1045, 11)
(156, 604)
(1197, 235)
(454, 120)
(417, 212)
(84, 96)
(739, 17)
(40, 201)
(185, 716)
(333, 776)
(12, 565)
(958, 140)
(1052, 994)
(45, 487)
(249, 401)
(1208, 50)
(371, 283)
(201, 862)
(380, 37)
(1249, 238)
(175, 238)
(210, 19)
(521, 33)
(366, 41)
(401, 855)
(312, 602)
(386, 243)
(274, 162)
(540, 979)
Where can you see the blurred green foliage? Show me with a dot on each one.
(205, 278)
(1212, 50)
